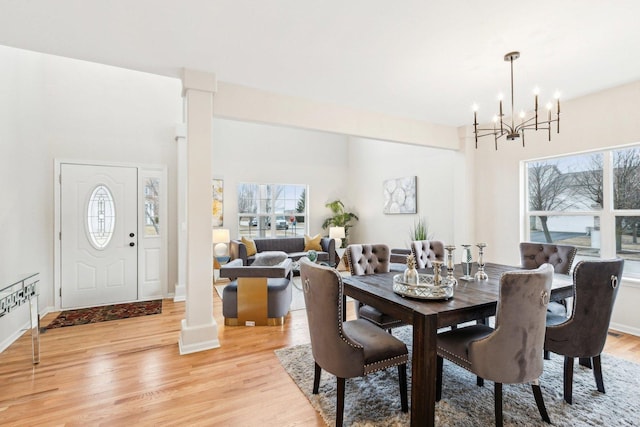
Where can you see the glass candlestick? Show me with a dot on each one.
(450, 264)
(466, 262)
(437, 277)
(480, 274)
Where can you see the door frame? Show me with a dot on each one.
(144, 171)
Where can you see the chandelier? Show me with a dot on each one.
(516, 130)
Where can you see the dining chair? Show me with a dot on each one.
(512, 352)
(533, 255)
(426, 251)
(346, 349)
(584, 333)
(370, 259)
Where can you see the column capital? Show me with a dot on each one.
(198, 80)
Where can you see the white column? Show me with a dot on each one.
(180, 293)
(199, 329)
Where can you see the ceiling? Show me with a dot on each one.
(426, 60)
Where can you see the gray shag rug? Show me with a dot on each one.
(374, 400)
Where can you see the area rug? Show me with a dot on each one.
(105, 313)
(374, 400)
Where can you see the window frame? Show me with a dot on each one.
(272, 217)
(607, 214)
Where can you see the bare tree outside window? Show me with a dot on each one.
(547, 191)
(568, 202)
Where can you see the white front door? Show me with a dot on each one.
(99, 234)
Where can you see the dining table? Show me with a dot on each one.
(473, 300)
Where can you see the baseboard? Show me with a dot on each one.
(625, 329)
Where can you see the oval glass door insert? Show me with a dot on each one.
(101, 217)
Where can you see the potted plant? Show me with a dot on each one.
(420, 230)
(340, 218)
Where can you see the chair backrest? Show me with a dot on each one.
(332, 349)
(368, 259)
(533, 255)
(596, 285)
(426, 251)
(513, 353)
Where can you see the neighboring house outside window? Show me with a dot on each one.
(591, 201)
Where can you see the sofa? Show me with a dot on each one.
(293, 246)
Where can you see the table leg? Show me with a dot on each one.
(423, 370)
(35, 328)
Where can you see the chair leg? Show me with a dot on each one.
(402, 379)
(585, 361)
(439, 379)
(537, 393)
(568, 378)
(547, 355)
(316, 379)
(597, 372)
(340, 403)
(497, 392)
(479, 381)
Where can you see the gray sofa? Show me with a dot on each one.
(293, 246)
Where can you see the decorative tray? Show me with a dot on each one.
(425, 289)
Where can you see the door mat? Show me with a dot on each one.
(105, 313)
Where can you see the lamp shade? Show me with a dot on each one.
(221, 235)
(336, 232)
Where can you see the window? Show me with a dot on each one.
(101, 217)
(151, 206)
(591, 201)
(272, 210)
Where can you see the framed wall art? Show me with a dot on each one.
(217, 187)
(399, 195)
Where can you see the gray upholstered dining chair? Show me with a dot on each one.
(533, 255)
(583, 335)
(370, 259)
(512, 352)
(345, 349)
(426, 251)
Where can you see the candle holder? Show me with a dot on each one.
(466, 262)
(437, 275)
(480, 274)
(450, 264)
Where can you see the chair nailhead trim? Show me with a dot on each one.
(394, 361)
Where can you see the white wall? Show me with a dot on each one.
(371, 162)
(57, 108)
(258, 153)
(604, 119)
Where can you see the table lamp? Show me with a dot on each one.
(220, 239)
(337, 234)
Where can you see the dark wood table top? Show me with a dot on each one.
(472, 300)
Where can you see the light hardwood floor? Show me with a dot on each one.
(129, 372)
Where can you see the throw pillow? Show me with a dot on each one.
(312, 243)
(251, 246)
(269, 258)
